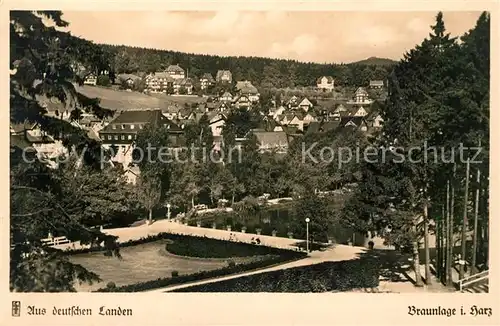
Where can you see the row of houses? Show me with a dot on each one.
(174, 77)
(327, 83)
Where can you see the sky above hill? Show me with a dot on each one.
(304, 36)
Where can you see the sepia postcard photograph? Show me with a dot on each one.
(342, 155)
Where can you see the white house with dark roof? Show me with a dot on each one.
(90, 79)
(159, 82)
(360, 112)
(376, 83)
(325, 83)
(226, 97)
(360, 97)
(176, 72)
(305, 105)
(206, 80)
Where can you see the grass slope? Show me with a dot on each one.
(124, 100)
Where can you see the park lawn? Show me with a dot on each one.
(142, 263)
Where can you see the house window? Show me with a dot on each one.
(123, 126)
(114, 126)
(109, 137)
(116, 137)
(123, 137)
(129, 137)
(131, 126)
(140, 126)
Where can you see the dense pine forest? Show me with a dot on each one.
(263, 72)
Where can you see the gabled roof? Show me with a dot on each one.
(20, 127)
(322, 126)
(361, 92)
(160, 75)
(217, 116)
(358, 121)
(246, 87)
(240, 97)
(329, 79)
(340, 108)
(128, 76)
(183, 82)
(223, 73)
(207, 76)
(227, 94)
(174, 68)
(136, 117)
(305, 102)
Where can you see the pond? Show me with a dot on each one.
(141, 263)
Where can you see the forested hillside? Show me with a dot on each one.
(263, 72)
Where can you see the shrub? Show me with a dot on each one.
(103, 80)
(322, 277)
(214, 248)
(111, 285)
(231, 263)
(175, 273)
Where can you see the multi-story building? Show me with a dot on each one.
(176, 72)
(246, 88)
(160, 82)
(121, 133)
(206, 81)
(224, 76)
(184, 83)
(325, 83)
(361, 97)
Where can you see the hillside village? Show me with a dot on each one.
(268, 217)
(281, 121)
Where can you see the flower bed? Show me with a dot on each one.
(323, 277)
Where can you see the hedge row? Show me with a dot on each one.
(215, 248)
(323, 277)
(231, 269)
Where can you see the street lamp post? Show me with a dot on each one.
(307, 234)
(168, 211)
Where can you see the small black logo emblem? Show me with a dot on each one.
(16, 308)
